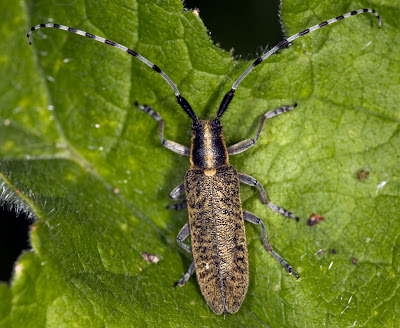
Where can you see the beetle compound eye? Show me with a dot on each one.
(216, 123)
(196, 125)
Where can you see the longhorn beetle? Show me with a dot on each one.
(211, 186)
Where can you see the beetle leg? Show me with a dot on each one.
(182, 235)
(178, 206)
(248, 180)
(252, 218)
(177, 192)
(186, 277)
(171, 145)
(247, 143)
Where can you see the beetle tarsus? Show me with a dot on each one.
(291, 271)
(185, 277)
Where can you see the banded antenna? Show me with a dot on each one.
(229, 95)
(181, 101)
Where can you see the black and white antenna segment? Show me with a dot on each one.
(230, 94)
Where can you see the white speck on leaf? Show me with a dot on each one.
(367, 45)
(150, 257)
(18, 268)
(380, 186)
(350, 299)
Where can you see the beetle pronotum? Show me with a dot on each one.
(211, 186)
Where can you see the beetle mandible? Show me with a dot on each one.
(211, 186)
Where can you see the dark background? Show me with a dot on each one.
(246, 26)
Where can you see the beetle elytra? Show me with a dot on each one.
(212, 191)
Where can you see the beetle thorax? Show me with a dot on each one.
(208, 148)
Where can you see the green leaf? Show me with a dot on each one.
(88, 165)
